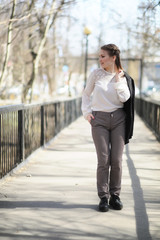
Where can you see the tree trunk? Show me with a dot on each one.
(8, 45)
(49, 23)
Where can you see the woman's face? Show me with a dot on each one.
(106, 60)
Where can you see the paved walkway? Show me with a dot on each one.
(54, 195)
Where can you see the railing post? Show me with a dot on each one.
(0, 149)
(42, 125)
(21, 135)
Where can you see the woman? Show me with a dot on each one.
(111, 115)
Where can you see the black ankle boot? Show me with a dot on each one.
(103, 204)
(115, 202)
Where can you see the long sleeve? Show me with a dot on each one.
(122, 89)
(86, 94)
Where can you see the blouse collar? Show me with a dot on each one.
(107, 71)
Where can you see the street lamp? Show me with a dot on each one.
(87, 32)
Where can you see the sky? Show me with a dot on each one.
(108, 16)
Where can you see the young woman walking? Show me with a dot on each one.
(111, 115)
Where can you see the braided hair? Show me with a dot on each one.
(113, 50)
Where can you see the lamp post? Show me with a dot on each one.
(87, 32)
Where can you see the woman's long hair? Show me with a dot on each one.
(112, 50)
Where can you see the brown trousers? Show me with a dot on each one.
(108, 132)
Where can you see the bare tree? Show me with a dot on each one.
(36, 56)
(8, 43)
(30, 50)
(148, 31)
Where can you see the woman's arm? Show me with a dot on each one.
(86, 94)
(122, 89)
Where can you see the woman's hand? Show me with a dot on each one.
(89, 117)
(119, 75)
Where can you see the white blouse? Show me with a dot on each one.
(108, 95)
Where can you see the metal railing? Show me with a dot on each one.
(149, 111)
(24, 128)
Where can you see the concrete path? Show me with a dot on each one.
(54, 195)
